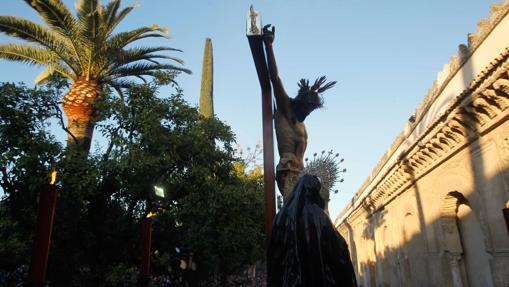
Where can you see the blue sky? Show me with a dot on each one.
(384, 55)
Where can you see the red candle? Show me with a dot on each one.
(146, 236)
(42, 240)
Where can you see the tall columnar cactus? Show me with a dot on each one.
(207, 82)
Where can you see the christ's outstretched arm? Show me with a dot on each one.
(282, 100)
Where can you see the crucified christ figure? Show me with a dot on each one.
(289, 116)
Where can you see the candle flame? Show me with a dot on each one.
(53, 177)
(151, 214)
(507, 204)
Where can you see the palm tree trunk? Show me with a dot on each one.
(78, 105)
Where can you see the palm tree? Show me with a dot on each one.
(85, 50)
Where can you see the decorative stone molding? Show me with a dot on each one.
(462, 122)
(484, 27)
(466, 117)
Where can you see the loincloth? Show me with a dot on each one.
(289, 162)
(287, 172)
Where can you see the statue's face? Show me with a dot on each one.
(307, 108)
(303, 109)
(305, 104)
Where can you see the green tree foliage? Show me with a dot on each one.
(27, 153)
(210, 210)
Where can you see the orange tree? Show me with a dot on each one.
(84, 49)
(212, 209)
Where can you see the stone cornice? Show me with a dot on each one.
(479, 103)
(469, 115)
(484, 27)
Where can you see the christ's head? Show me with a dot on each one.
(308, 98)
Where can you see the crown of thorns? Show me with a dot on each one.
(317, 87)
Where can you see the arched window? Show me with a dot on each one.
(464, 243)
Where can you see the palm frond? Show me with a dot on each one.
(29, 31)
(59, 18)
(89, 12)
(40, 35)
(120, 84)
(44, 75)
(145, 53)
(108, 16)
(132, 55)
(117, 18)
(112, 49)
(120, 40)
(141, 78)
(150, 58)
(141, 69)
(35, 56)
(55, 14)
(124, 57)
(84, 45)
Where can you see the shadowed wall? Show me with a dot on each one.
(431, 212)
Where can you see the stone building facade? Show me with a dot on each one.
(430, 214)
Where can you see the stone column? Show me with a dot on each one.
(454, 259)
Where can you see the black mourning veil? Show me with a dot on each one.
(305, 249)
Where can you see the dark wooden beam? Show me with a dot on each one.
(256, 45)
